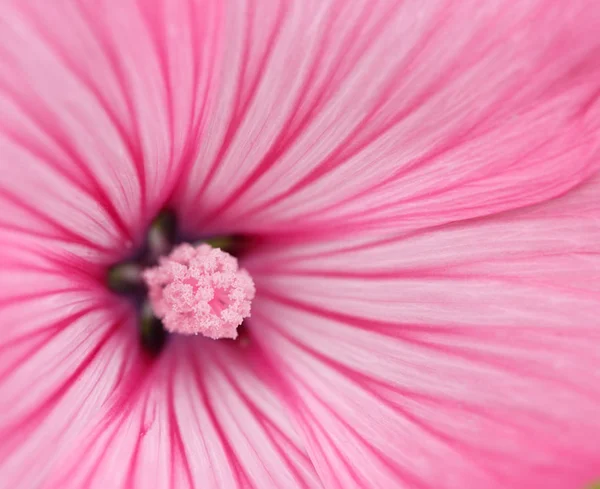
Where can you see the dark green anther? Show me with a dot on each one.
(161, 238)
(152, 333)
(225, 243)
(125, 277)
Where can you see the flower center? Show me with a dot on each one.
(200, 290)
(183, 288)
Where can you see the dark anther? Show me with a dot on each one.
(125, 278)
(233, 244)
(152, 333)
(161, 237)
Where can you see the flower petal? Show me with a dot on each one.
(100, 106)
(394, 113)
(461, 356)
(201, 417)
(61, 357)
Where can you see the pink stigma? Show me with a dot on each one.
(200, 290)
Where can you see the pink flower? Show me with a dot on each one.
(412, 186)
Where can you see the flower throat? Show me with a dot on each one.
(184, 288)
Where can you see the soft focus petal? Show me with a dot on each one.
(199, 418)
(61, 357)
(100, 105)
(393, 113)
(461, 356)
